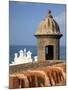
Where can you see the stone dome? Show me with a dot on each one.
(48, 26)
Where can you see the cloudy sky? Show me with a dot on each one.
(24, 19)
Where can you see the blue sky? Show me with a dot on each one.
(25, 17)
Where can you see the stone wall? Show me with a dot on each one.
(42, 42)
(39, 77)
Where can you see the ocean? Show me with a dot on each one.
(16, 48)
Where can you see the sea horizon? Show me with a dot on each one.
(33, 48)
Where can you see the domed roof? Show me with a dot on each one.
(48, 26)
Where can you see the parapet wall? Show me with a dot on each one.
(27, 66)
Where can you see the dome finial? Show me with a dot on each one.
(49, 14)
(49, 11)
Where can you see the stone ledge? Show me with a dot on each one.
(34, 65)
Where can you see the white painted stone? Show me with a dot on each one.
(25, 52)
(29, 54)
(21, 53)
(15, 56)
(35, 58)
(29, 57)
(24, 57)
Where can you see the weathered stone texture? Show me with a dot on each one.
(48, 36)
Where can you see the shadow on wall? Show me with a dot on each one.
(49, 76)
